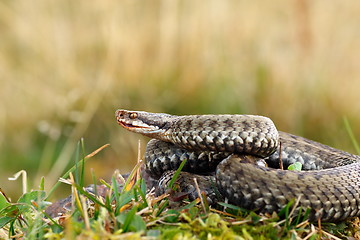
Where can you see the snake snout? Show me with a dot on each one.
(119, 114)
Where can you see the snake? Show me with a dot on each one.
(240, 156)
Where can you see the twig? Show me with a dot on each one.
(330, 235)
(241, 222)
(139, 162)
(85, 212)
(23, 174)
(311, 233)
(199, 193)
(295, 206)
(319, 225)
(280, 157)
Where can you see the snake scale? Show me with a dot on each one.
(231, 149)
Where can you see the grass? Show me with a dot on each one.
(130, 211)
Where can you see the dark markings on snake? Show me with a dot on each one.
(331, 189)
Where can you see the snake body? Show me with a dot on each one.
(231, 145)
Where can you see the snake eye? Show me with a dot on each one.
(133, 115)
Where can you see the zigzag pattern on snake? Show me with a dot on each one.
(232, 148)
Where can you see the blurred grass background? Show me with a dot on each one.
(66, 66)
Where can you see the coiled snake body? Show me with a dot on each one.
(231, 144)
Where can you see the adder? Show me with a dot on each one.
(226, 153)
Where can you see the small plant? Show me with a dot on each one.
(26, 216)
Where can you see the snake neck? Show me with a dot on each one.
(255, 135)
(250, 134)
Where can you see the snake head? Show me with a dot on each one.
(148, 124)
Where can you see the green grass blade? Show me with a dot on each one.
(351, 135)
(42, 184)
(162, 207)
(129, 217)
(142, 195)
(94, 181)
(77, 162)
(177, 173)
(82, 175)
